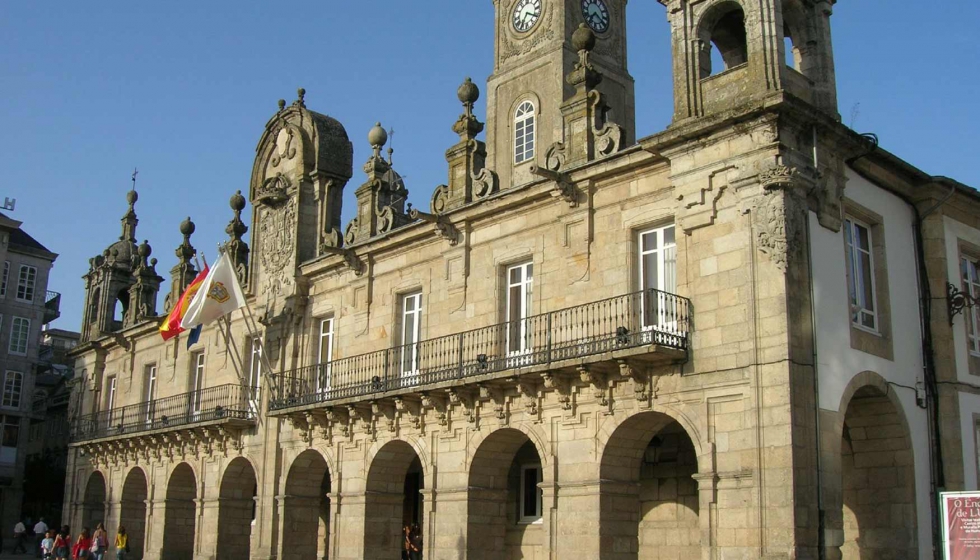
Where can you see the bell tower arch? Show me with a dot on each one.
(533, 54)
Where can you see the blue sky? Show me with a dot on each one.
(182, 90)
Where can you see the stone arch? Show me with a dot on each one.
(531, 431)
(417, 445)
(608, 428)
(795, 34)
(877, 515)
(132, 513)
(393, 497)
(94, 500)
(722, 27)
(500, 479)
(649, 502)
(306, 507)
(236, 509)
(180, 514)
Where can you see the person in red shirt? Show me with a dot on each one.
(83, 545)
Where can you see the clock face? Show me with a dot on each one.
(526, 14)
(596, 14)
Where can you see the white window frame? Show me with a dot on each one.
(524, 132)
(411, 333)
(27, 284)
(855, 287)
(110, 400)
(149, 390)
(13, 387)
(198, 362)
(525, 291)
(523, 518)
(255, 364)
(324, 354)
(15, 336)
(3, 281)
(666, 281)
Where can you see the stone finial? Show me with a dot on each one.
(584, 75)
(185, 251)
(467, 125)
(301, 97)
(282, 104)
(583, 38)
(237, 248)
(468, 94)
(377, 137)
(129, 219)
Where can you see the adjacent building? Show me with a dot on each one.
(26, 306)
(750, 335)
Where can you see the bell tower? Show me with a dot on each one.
(729, 53)
(533, 54)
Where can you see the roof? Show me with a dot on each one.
(24, 240)
(62, 333)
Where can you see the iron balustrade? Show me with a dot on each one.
(230, 401)
(631, 320)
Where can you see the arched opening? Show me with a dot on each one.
(93, 307)
(180, 515)
(653, 511)
(877, 479)
(306, 517)
(121, 306)
(722, 33)
(132, 514)
(93, 503)
(504, 509)
(236, 510)
(394, 500)
(793, 34)
(524, 132)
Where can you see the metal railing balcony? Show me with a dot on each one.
(637, 319)
(52, 306)
(224, 402)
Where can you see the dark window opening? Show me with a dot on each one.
(725, 44)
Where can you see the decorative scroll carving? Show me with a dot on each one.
(560, 386)
(638, 376)
(496, 396)
(338, 417)
(462, 400)
(437, 404)
(405, 408)
(527, 389)
(554, 158)
(485, 183)
(598, 383)
(440, 197)
(608, 136)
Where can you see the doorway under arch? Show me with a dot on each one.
(180, 514)
(236, 510)
(306, 508)
(132, 514)
(93, 502)
(393, 501)
(654, 510)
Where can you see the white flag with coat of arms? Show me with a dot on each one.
(219, 295)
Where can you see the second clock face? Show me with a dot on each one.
(526, 14)
(596, 14)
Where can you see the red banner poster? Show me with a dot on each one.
(961, 525)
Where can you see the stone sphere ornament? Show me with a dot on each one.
(468, 92)
(187, 227)
(583, 39)
(377, 137)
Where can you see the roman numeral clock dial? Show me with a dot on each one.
(596, 14)
(526, 14)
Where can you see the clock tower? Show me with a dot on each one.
(533, 54)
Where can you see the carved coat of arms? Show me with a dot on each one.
(277, 241)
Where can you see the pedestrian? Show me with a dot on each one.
(83, 546)
(20, 535)
(122, 544)
(100, 542)
(40, 532)
(47, 545)
(415, 542)
(62, 544)
(406, 541)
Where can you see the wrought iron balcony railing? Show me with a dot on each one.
(631, 320)
(224, 402)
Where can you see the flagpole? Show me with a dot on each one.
(233, 349)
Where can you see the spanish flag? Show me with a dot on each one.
(171, 327)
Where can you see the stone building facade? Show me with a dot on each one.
(729, 339)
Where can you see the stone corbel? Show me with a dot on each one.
(638, 376)
(406, 408)
(437, 404)
(529, 392)
(597, 381)
(351, 260)
(560, 386)
(778, 231)
(380, 411)
(563, 188)
(498, 399)
(463, 400)
(356, 416)
(443, 227)
(338, 417)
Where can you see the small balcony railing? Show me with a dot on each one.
(632, 320)
(52, 306)
(224, 402)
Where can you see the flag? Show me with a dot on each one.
(219, 296)
(171, 327)
(194, 336)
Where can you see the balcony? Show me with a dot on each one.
(52, 306)
(224, 404)
(649, 326)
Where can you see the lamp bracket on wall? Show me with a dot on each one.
(958, 300)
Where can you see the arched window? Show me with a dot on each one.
(524, 132)
(723, 34)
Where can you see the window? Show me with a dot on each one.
(197, 360)
(861, 277)
(723, 34)
(110, 395)
(971, 285)
(10, 438)
(658, 276)
(524, 132)
(411, 328)
(149, 390)
(20, 330)
(519, 288)
(530, 494)
(324, 354)
(3, 281)
(13, 383)
(255, 364)
(25, 283)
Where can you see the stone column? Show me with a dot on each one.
(207, 529)
(446, 513)
(575, 519)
